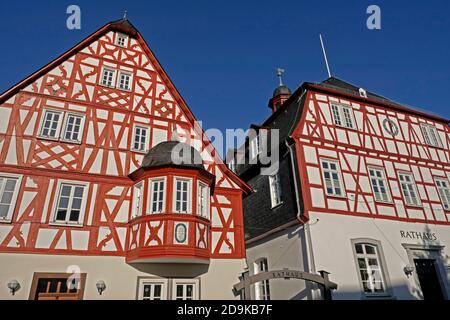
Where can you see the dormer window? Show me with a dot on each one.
(122, 40)
(362, 93)
(254, 147)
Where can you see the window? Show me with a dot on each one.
(152, 289)
(379, 184)
(73, 128)
(254, 147)
(51, 124)
(370, 270)
(185, 289)
(262, 288)
(121, 40)
(342, 116)
(409, 189)
(430, 135)
(157, 199)
(108, 77)
(444, 192)
(182, 195)
(8, 195)
(332, 178)
(203, 200)
(275, 189)
(140, 138)
(125, 81)
(69, 204)
(57, 286)
(137, 199)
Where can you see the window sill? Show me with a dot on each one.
(384, 202)
(344, 197)
(47, 138)
(139, 151)
(62, 224)
(106, 86)
(414, 206)
(5, 221)
(70, 141)
(124, 89)
(277, 205)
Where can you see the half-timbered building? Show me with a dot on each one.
(92, 202)
(361, 191)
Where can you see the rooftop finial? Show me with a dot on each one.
(125, 15)
(280, 73)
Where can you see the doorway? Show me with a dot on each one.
(428, 279)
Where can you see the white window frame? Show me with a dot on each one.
(430, 133)
(189, 195)
(82, 207)
(340, 117)
(414, 188)
(113, 80)
(151, 281)
(138, 195)
(384, 180)
(206, 195)
(13, 203)
(276, 194)
(124, 37)
(340, 180)
(151, 198)
(443, 192)
(66, 122)
(58, 128)
(194, 282)
(379, 255)
(254, 147)
(262, 285)
(130, 82)
(147, 134)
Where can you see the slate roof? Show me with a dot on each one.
(172, 153)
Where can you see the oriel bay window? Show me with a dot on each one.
(203, 200)
(137, 199)
(70, 204)
(182, 195)
(157, 195)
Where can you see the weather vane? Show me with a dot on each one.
(125, 15)
(280, 73)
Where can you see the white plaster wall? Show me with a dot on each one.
(282, 250)
(216, 280)
(331, 240)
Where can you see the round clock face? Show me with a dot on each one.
(390, 127)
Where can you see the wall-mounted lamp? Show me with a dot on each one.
(13, 286)
(101, 286)
(408, 269)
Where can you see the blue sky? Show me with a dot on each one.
(222, 55)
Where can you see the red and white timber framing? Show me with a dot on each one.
(370, 145)
(104, 158)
